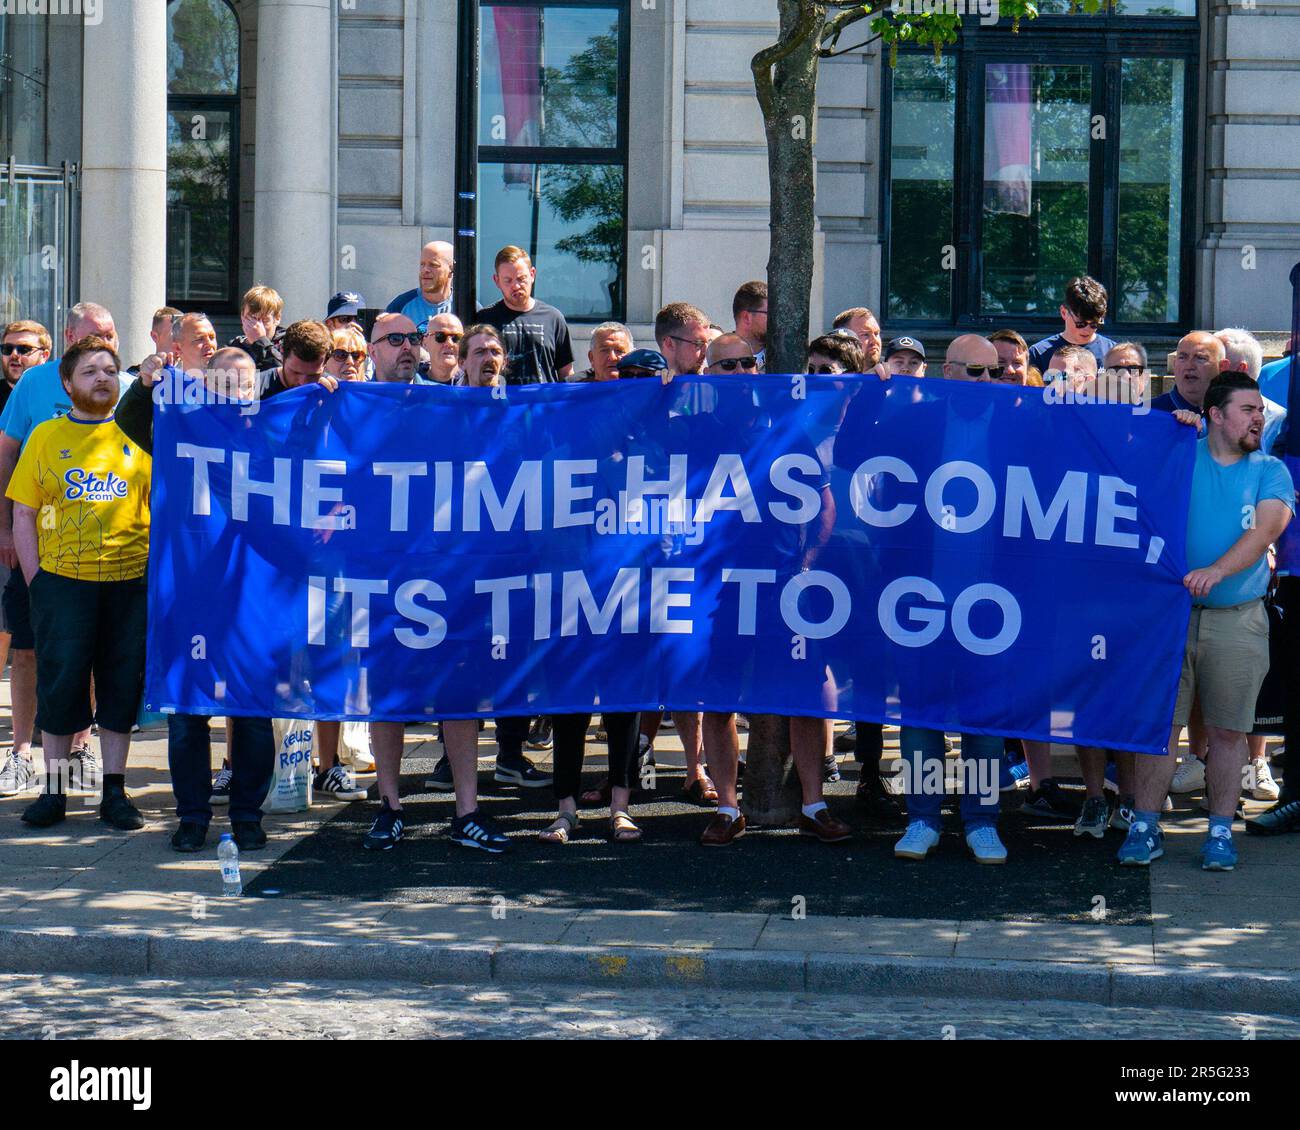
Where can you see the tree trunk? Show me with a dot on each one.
(771, 794)
(789, 121)
(785, 79)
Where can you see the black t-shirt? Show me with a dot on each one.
(536, 341)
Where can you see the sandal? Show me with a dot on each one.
(701, 791)
(597, 797)
(622, 830)
(560, 830)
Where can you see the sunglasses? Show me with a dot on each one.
(342, 355)
(731, 364)
(824, 370)
(697, 342)
(993, 371)
(1082, 323)
(395, 340)
(441, 336)
(11, 347)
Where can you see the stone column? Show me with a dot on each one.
(124, 168)
(1250, 234)
(293, 208)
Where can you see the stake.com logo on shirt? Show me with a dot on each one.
(86, 486)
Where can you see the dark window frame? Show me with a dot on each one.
(469, 153)
(228, 104)
(1101, 42)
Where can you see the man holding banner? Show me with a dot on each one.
(1242, 501)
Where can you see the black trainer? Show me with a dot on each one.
(1283, 817)
(876, 800)
(386, 832)
(190, 836)
(46, 810)
(522, 773)
(440, 780)
(474, 830)
(539, 733)
(1051, 801)
(117, 811)
(248, 834)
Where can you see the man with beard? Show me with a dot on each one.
(862, 323)
(535, 335)
(395, 349)
(86, 573)
(1241, 502)
(433, 295)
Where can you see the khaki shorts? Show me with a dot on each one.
(1224, 664)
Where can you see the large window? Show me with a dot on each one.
(202, 154)
(546, 169)
(1018, 161)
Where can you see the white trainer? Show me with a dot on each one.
(1265, 788)
(1189, 777)
(916, 842)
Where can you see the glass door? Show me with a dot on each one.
(34, 243)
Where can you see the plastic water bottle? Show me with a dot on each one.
(228, 856)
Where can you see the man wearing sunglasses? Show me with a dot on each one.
(971, 358)
(395, 348)
(24, 344)
(1083, 313)
(442, 343)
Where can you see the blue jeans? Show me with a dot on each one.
(922, 752)
(189, 755)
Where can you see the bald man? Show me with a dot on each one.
(1197, 361)
(970, 358)
(433, 295)
(395, 348)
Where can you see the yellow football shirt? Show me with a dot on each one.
(90, 485)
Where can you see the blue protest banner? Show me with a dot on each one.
(947, 554)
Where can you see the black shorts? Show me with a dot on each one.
(84, 628)
(18, 612)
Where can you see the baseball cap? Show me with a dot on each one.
(650, 359)
(905, 344)
(346, 303)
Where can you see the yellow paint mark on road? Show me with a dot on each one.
(611, 966)
(687, 968)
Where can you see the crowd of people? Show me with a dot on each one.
(75, 462)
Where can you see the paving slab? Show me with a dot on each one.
(680, 929)
(482, 925)
(818, 934)
(1182, 944)
(1055, 941)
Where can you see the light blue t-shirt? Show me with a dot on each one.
(413, 304)
(1223, 498)
(1273, 379)
(38, 396)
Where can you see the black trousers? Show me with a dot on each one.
(869, 747)
(511, 735)
(570, 732)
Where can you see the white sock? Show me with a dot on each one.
(723, 810)
(811, 810)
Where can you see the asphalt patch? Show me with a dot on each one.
(1050, 875)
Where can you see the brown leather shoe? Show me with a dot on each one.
(825, 827)
(722, 830)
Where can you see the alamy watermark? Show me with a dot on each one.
(987, 10)
(91, 11)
